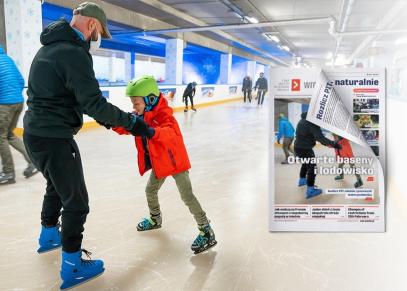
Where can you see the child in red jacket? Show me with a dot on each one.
(346, 152)
(162, 150)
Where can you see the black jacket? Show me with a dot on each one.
(247, 84)
(308, 133)
(261, 84)
(190, 90)
(62, 87)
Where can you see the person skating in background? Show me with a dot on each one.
(189, 92)
(346, 152)
(161, 149)
(262, 87)
(285, 131)
(61, 88)
(11, 106)
(247, 88)
(306, 136)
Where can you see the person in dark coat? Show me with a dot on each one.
(262, 88)
(61, 88)
(189, 92)
(247, 88)
(307, 134)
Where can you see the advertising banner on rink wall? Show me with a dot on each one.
(327, 150)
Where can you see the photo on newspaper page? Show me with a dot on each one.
(327, 150)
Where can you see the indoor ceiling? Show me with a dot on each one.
(309, 43)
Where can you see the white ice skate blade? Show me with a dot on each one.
(209, 247)
(83, 282)
(49, 250)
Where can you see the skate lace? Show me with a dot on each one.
(88, 254)
(200, 239)
(146, 223)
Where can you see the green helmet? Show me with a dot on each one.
(142, 87)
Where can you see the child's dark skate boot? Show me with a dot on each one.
(339, 177)
(6, 179)
(194, 109)
(75, 270)
(153, 222)
(30, 171)
(205, 240)
(186, 109)
(302, 182)
(359, 183)
(313, 191)
(50, 239)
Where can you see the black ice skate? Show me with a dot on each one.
(205, 240)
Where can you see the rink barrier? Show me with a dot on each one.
(93, 124)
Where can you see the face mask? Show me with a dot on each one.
(95, 44)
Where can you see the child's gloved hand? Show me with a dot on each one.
(337, 146)
(140, 128)
(150, 132)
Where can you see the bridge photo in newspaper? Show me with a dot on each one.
(327, 150)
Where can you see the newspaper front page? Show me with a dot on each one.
(327, 150)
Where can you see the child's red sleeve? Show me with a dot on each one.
(120, 130)
(166, 130)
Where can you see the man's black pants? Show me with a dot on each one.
(248, 94)
(190, 98)
(59, 161)
(307, 169)
(260, 96)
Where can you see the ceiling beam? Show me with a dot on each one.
(195, 21)
(387, 21)
(137, 20)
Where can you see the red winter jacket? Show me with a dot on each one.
(166, 148)
(346, 150)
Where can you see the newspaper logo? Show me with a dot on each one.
(295, 84)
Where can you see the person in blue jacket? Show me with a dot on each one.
(285, 131)
(11, 106)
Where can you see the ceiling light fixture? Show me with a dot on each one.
(286, 48)
(271, 36)
(329, 55)
(252, 19)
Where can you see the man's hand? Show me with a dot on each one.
(108, 126)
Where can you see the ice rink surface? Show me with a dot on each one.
(228, 148)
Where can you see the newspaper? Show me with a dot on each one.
(347, 107)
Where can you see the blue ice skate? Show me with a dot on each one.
(50, 239)
(205, 240)
(312, 191)
(75, 270)
(302, 182)
(151, 223)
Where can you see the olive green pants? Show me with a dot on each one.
(185, 189)
(9, 115)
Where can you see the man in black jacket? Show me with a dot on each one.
(262, 87)
(247, 88)
(189, 93)
(307, 134)
(61, 88)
